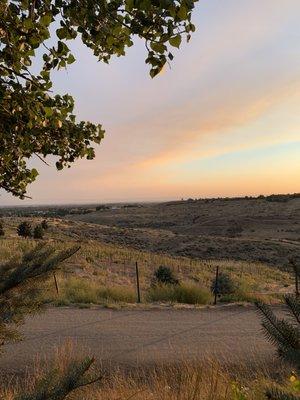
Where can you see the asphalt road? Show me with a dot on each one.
(138, 337)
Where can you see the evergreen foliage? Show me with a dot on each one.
(276, 393)
(38, 232)
(2, 232)
(223, 286)
(20, 285)
(164, 275)
(44, 224)
(285, 335)
(24, 229)
(57, 385)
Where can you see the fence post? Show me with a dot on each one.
(55, 281)
(137, 282)
(296, 272)
(216, 285)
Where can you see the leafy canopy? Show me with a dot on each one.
(34, 121)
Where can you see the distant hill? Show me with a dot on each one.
(263, 229)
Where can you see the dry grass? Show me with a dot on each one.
(185, 293)
(107, 272)
(184, 381)
(81, 291)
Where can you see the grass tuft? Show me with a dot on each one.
(184, 293)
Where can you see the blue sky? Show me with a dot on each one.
(230, 103)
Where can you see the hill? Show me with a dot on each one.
(255, 229)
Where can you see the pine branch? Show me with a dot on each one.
(294, 305)
(275, 393)
(20, 285)
(57, 385)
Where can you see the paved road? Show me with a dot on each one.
(127, 338)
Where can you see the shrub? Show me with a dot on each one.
(24, 229)
(83, 291)
(38, 232)
(77, 290)
(2, 233)
(224, 286)
(44, 225)
(165, 276)
(184, 293)
(118, 294)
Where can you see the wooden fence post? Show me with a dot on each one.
(137, 282)
(296, 272)
(216, 285)
(55, 281)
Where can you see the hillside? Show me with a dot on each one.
(241, 229)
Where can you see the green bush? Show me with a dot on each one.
(24, 229)
(2, 232)
(44, 224)
(184, 293)
(224, 285)
(164, 275)
(38, 232)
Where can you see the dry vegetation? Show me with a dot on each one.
(104, 273)
(183, 381)
(240, 229)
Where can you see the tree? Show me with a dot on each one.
(285, 335)
(2, 232)
(34, 121)
(21, 286)
(24, 229)
(38, 232)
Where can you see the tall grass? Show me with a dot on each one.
(184, 293)
(183, 381)
(102, 273)
(82, 291)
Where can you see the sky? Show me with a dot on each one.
(224, 120)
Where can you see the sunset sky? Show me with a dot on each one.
(223, 121)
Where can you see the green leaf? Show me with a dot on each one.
(62, 33)
(175, 41)
(28, 23)
(47, 124)
(59, 165)
(158, 47)
(33, 174)
(46, 19)
(48, 111)
(71, 59)
(129, 4)
(182, 13)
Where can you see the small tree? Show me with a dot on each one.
(44, 225)
(223, 286)
(2, 232)
(24, 229)
(20, 294)
(38, 232)
(164, 275)
(285, 335)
